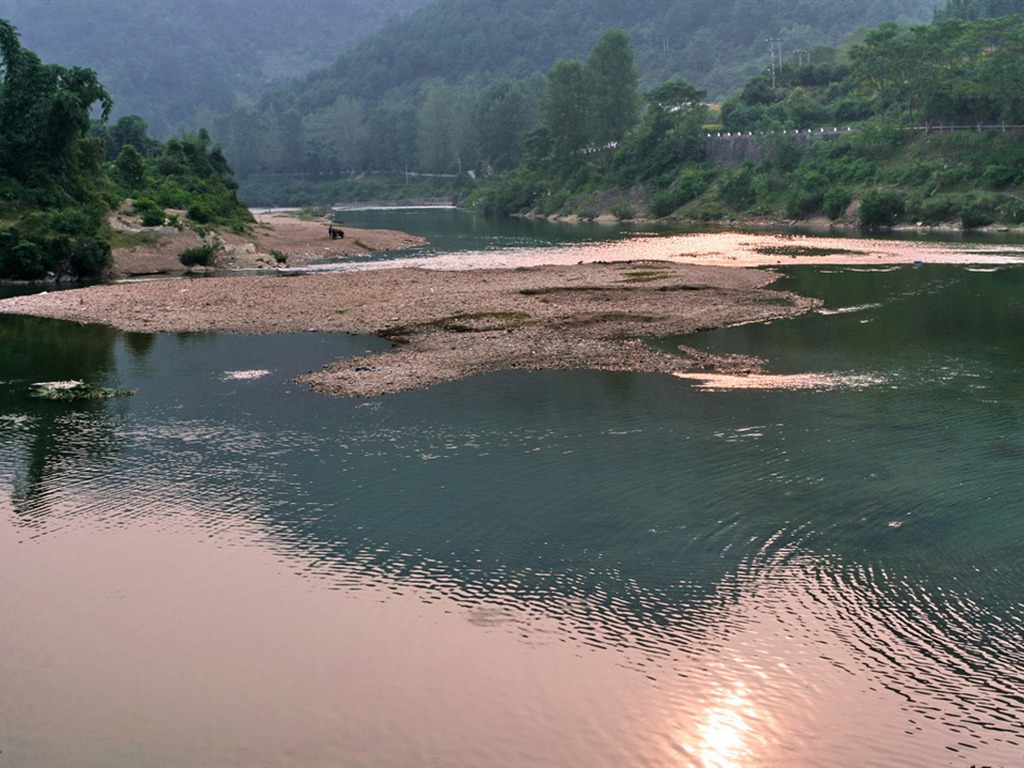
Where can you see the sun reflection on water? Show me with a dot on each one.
(725, 733)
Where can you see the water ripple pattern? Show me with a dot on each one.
(771, 576)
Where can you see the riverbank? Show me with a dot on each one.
(278, 239)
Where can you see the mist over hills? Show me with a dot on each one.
(325, 86)
(406, 98)
(178, 62)
(715, 44)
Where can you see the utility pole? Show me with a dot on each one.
(771, 55)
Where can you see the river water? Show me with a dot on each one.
(554, 568)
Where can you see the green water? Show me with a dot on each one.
(640, 571)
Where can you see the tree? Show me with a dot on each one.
(337, 131)
(130, 129)
(48, 164)
(44, 116)
(131, 167)
(669, 133)
(504, 114)
(565, 111)
(612, 98)
(444, 128)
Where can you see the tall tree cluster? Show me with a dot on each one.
(44, 118)
(61, 172)
(947, 72)
(48, 166)
(973, 10)
(592, 104)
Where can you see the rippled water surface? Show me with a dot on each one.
(559, 568)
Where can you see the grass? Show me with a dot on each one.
(133, 239)
(802, 250)
(470, 322)
(645, 275)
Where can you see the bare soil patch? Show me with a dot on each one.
(278, 239)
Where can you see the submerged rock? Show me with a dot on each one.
(75, 390)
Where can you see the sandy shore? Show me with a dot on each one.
(462, 316)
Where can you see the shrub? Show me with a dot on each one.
(153, 218)
(23, 259)
(689, 184)
(552, 204)
(802, 202)
(999, 175)
(881, 208)
(87, 259)
(704, 210)
(736, 188)
(200, 213)
(20, 259)
(836, 201)
(935, 210)
(152, 214)
(73, 221)
(199, 255)
(914, 174)
(623, 211)
(972, 217)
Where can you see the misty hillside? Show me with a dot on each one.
(175, 62)
(715, 44)
(412, 96)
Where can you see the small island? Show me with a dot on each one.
(455, 322)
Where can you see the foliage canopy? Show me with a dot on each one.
(55, 188)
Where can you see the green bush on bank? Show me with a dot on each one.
(881, 208)
(24, 257)
(199, 255)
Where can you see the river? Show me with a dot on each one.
(558, 568)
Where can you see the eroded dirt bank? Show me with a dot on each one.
(277, 239)
(450, 324)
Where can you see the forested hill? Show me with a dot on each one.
(174, 62)
(715, 44)
(972, 10)
(426, 91)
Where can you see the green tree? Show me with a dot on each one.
(504, 114)
(565, 112)
(337, 132)
(49, 166)
(670, 133)
(130, 129)
(44, 116)
(444, 128)
(612, 96)
(131, 167)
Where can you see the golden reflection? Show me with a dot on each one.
(725, 734)
(820, 381)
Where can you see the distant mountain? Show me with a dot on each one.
(410, 96)
(972, 10)
(715, 44)
(176, 62)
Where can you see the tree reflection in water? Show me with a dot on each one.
(56, 434)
